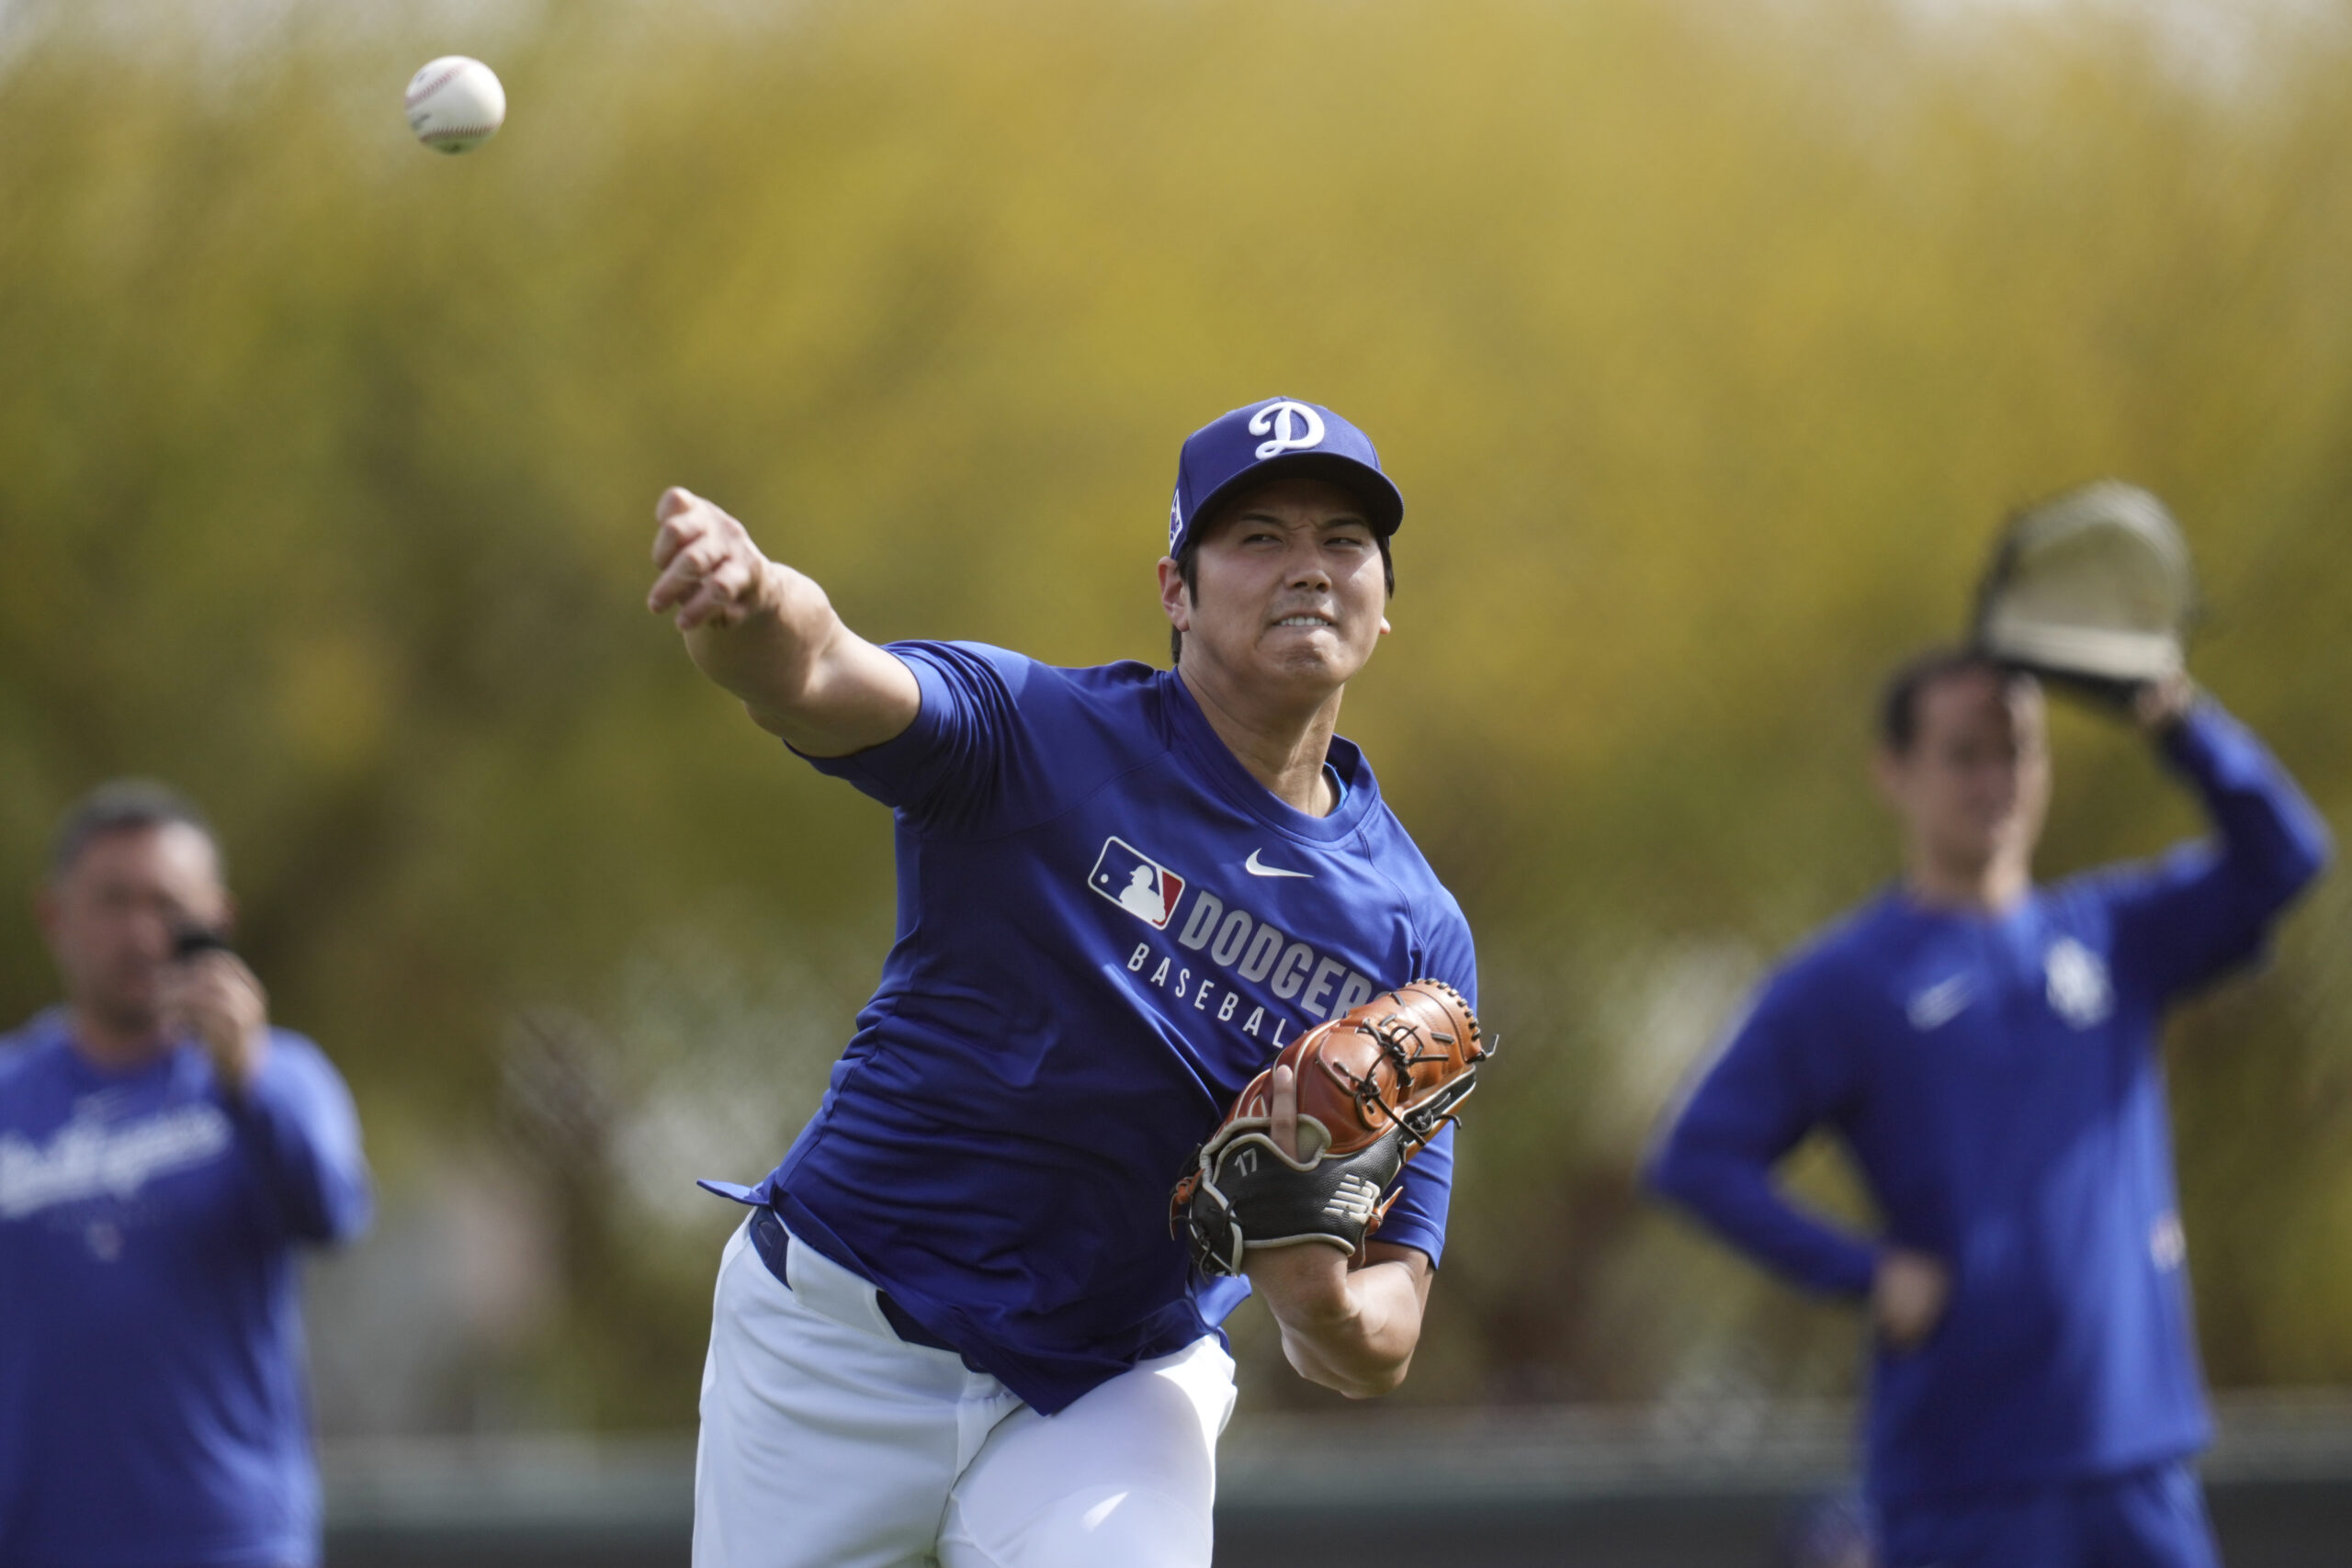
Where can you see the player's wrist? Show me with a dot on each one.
(1356, 1352)
(2160, 707)
(771, 592)
(237, 1056)
(1307, 1286)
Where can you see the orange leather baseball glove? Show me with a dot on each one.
(1374, 1086)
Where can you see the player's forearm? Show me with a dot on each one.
(802, 674)
(2268, 829)
(769, 658)
(1735, 1198)
(307, 1145)
(1351, 1331)
(769, 635)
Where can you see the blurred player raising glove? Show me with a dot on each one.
(1374, 1086)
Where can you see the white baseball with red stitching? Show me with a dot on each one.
(455, 103)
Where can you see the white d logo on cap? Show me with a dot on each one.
(1279, 418)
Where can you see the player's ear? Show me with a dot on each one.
(1172, 597)
(1887, 772)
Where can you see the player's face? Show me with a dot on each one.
(111, 917)
(1976, 781)
(1291, 590)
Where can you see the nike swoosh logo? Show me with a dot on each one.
(1939, 1005)
(1254, 869)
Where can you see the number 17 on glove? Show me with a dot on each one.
(1374, 1086)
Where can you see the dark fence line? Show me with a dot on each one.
(1672, 1486)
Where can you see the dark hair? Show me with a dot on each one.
(1188, 567)
(122, 806)
(1899, 705)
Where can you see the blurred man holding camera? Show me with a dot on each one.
(164, 1153)
(1987, 1049)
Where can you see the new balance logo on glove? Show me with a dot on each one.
(1356, 1201)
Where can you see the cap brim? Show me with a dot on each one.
(1383, 504)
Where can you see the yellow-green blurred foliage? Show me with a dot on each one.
(1707, 341)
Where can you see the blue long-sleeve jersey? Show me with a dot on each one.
(153, 1412)
(1997, 1083)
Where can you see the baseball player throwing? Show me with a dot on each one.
(956, 1327)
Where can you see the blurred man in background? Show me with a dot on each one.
(1987, 1049)
(164, 1152)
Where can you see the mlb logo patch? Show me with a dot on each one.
(1135, 883)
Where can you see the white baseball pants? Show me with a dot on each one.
(829, 1442)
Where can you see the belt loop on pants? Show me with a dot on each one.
(775, 1245)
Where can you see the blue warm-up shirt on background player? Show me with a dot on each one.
(1996, 1079)
(153, 1412)
(1106, 928)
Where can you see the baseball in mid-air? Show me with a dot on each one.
(455, 103)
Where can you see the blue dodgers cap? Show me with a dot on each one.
(1276, 439)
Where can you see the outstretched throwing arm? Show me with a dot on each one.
(768, 634)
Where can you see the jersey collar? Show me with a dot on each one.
(1900, 905)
